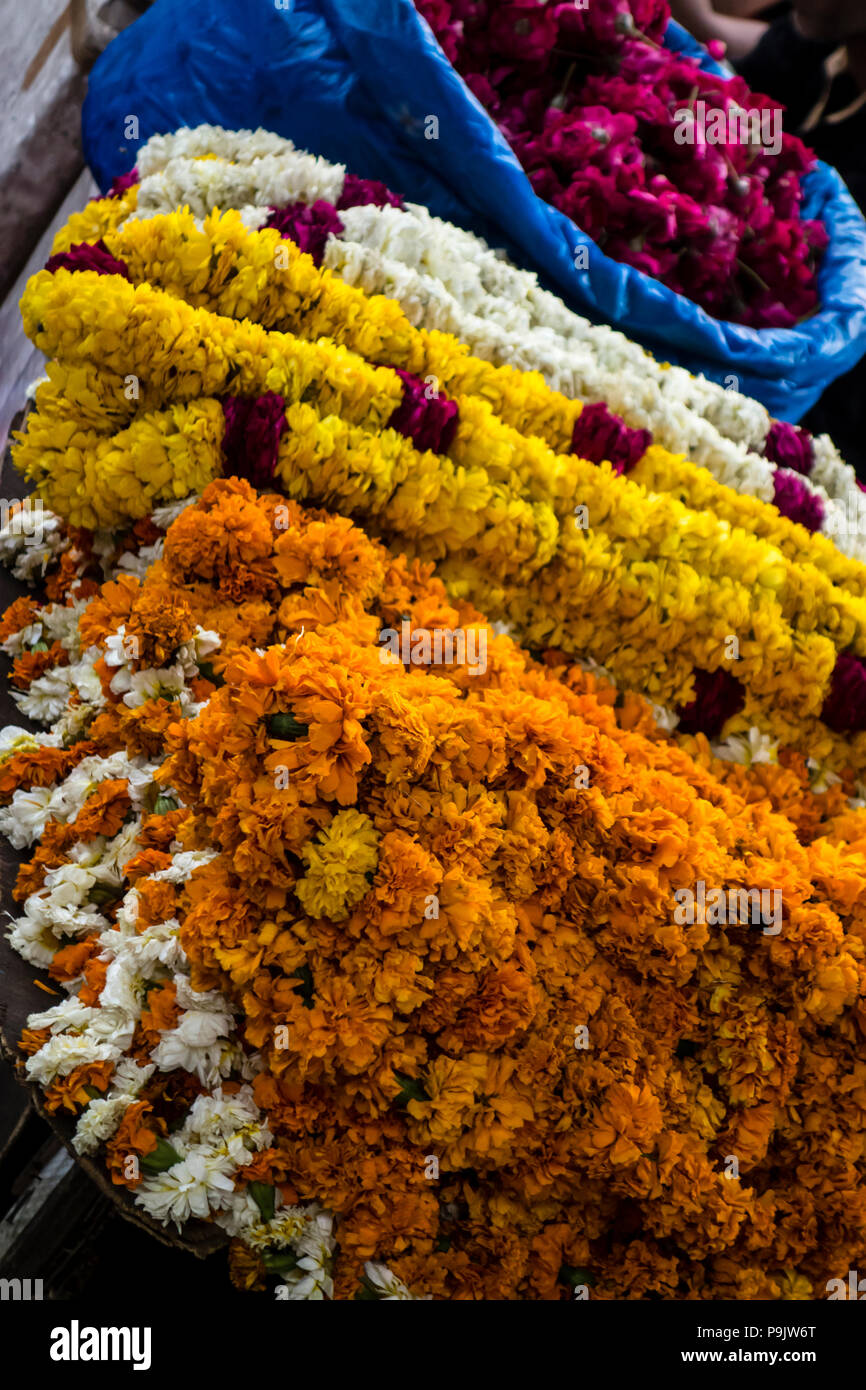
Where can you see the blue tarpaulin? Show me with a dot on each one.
(358, 80)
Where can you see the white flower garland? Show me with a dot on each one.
(447, 278)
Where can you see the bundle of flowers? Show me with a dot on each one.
(613, 130)
(448, 279)
(377, 960)
(228, 351)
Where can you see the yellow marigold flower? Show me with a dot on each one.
(338, 862)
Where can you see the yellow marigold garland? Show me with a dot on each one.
(669, 588)
(224, 266)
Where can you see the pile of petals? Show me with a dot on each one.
(445, 278)
(372, 959)
(591, 104)
(218, 349)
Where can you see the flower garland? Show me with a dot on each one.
(448, 279)
(574, 557)
(180, 257)
(344, 915)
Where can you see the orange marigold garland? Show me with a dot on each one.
(402, 995)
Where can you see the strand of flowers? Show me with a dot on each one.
(171, 248)
(449, 279)
(74, 565)
(153, 449)
(790, 490)
(513, 394)
(223, 266)
(53, 294)
(235, 540)
(321, 460)
(73, 562)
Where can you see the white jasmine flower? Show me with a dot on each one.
(139, 562)
(69, 1016)
(24, 819)
(165, 516)
(280, 1233)
(214, 1119)
(128, 1077)
(46, 697)
(754, 747)
(200, 1041)
(184, 864)
(60, 622)
(157, 946)
(19, 642)
(66, 1051)
(199, 1184)
(30, 540)
(666, 719)
(97, 1122)
(239, 1216)
(387, 1285)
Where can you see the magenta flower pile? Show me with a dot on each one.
(593, 106)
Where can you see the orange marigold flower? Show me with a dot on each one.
(72, 1092)
(133, 1136)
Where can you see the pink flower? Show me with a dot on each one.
(795, 500)
(251, 442)
(86, 256)
(486, 93)
(600, 435)
(439, 16)
(121, 183)
(591, 134)
(591, 109)
(430, 421)
(308, 225)
(359, 193)
(719, 695)
(844, 709)
(790, 447)
(522, 30)
(607, 25)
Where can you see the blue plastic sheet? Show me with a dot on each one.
(356, 80)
